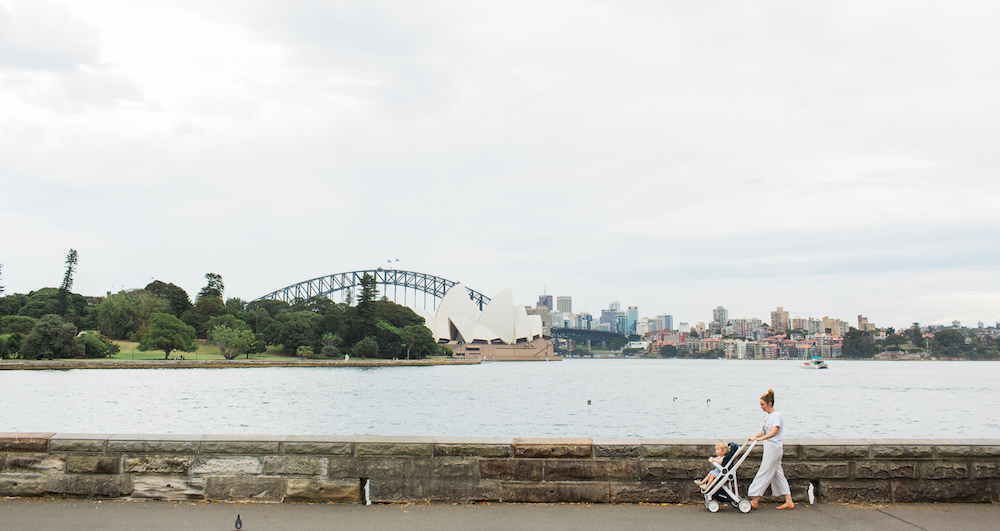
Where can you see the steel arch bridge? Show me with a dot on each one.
(347, 282)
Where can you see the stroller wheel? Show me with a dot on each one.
(713, 506)
(745, 506)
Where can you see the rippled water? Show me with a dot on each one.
(629, 398)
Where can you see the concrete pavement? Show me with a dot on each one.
(62, 514)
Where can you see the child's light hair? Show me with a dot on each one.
(722, 446)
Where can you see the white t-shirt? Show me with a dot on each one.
(770, 421)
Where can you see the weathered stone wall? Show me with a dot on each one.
(404, 469)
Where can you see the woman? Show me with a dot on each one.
(770, 472)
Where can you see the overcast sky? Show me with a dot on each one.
(833, 158)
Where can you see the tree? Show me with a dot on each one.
(366, 348)
(175, 296)
(949, 343)
(231, 341)
(127, 314)
(52, 337)
(96, 345)
(21, 324)
(298, 329)
(168, 333)
(214, 288)
(668, 351)
(202, 313)
(417, 340)
(67, 283)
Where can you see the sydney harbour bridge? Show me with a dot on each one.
(408, 288)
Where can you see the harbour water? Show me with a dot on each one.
(627, 398)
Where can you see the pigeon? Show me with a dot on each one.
(239, 523)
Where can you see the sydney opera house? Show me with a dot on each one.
(501, 331)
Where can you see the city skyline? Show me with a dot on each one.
(833, 159)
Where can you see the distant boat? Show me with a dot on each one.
(815, 363)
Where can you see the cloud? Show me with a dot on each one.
(44, 36)
(51, 58)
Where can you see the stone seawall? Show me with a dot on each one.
(276, 468)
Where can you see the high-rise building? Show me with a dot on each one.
(720, 315)
(633, 319)
(584, 321)
(546, 300)
(615, 306)
(668, 322)
(779, 321)
(564, 304)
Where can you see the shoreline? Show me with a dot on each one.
(42, 365)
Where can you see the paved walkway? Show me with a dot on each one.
(61, 514)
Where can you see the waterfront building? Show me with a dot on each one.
(779, 321)
(633, 320)
(500, 331)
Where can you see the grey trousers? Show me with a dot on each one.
(770, 473)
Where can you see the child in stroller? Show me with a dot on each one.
(720, 452)
(722, 485)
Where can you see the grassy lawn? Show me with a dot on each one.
(206, 351)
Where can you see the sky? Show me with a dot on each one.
(831, 158)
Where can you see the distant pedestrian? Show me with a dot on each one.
(770, 472)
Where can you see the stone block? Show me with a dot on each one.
(93, 464)
(902, 451)
(472, 450)
(854, 491)
(533, 448)
(555, 492)
(984, 450)
(25, 442)
(239, 447)
(816, 470)
(226, 466)
(400, 446)
(512, 469)
(679, 491)
(394, 449)
(820, 452)
(157, 464)
(669, 469)
(398, 489)
(617, 448)
(462, 490)
(591, 469)
(168, 487)
(295, 465)
(379, 467)
(78, 442)
(944, 470)
(455, 468)
(317, 448)
(18, 463)
(986, 469)
(676, 451)
(153, 444)
(870, 469)
(89, 486)
(945, 490)
(323, 490)
(245, 488)
(26, 485)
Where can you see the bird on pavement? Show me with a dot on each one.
(239, 523)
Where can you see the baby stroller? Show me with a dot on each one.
(723, 487)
